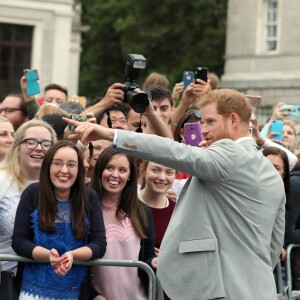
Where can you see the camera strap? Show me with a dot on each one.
(109, 123)
(139, 129)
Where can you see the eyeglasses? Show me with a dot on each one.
(58, 164)
(33, 143)
(10, 110)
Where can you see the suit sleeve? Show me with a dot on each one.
(215, 163)
(278, 234)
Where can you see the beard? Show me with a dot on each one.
(224, 134)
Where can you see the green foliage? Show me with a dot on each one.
(173, 35)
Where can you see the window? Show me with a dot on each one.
(15, 55)
(272, 25)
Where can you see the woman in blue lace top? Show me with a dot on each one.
(58, 221)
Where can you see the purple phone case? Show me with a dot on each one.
(192, 133)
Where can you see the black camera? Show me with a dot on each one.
(138, 101)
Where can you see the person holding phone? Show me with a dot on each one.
(265, 143)
(190, 99)
(224, 212)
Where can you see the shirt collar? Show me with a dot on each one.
(244, 138)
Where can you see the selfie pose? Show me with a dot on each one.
(226, 233)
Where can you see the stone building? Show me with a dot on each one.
(263, 50)
(43, 35)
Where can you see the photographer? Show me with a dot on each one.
(113, 96)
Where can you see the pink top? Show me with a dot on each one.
(122, 243)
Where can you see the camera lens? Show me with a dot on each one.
(138, 101)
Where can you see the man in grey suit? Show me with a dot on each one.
(226, 232)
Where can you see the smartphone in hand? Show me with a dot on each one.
(277, 126)
(254, 100)
(201, 73)
(32, 85)
(188, 77)
(292, 110)
(192, 133)
(77, 118)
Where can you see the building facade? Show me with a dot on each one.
(263, 50)
(43, 35)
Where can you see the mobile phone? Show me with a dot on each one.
(254, 100)
(188, 77)
(201, 73)
(192, 133)
(292, 110)
(78, 118)
(277, 126)
(32, 85)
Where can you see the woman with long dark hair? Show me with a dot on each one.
(128, 224)
(58, 221)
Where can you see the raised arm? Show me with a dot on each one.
(114, 95)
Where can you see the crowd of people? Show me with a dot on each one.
(119, 184)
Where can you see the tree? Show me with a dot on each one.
(173, 35)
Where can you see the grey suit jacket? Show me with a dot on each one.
(227, 229)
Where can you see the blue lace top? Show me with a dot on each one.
(39, 279)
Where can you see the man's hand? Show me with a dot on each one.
(87, 131)
(201, 88)
(23, 85)
(188, 96)
(114, 95)
(256, 134)
(271, 137)
(279, 112)
(177, 89)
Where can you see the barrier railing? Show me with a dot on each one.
(155, 291)
(291, 294)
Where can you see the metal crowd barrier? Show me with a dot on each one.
(155, 290)
(292, 294)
